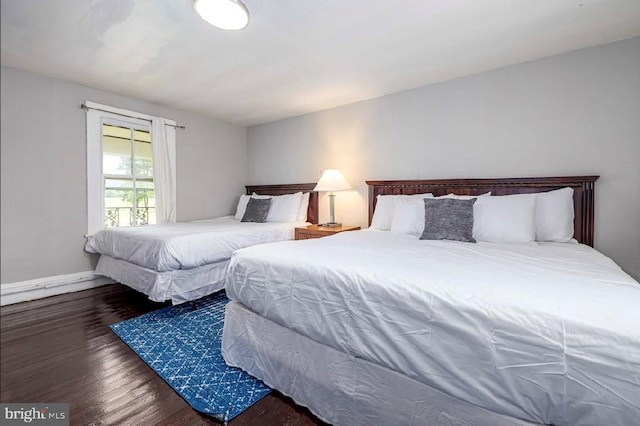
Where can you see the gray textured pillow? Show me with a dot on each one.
(257, 210)
(448, 219)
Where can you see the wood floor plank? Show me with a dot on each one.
(61, 349)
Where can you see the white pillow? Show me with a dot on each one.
(554, 215)
(408, 214)
(504, 219)
(304, 206)
(284, 208)
(242, 204)
(383, 214)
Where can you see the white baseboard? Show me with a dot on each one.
(50, 286)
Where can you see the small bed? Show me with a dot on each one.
(185, 261)
(375, 327)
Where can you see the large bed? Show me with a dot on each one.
(375, 327)
(185, 261)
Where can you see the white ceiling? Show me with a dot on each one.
(296, 56)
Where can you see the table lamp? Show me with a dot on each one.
(330, 181)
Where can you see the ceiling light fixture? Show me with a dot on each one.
(224, 14)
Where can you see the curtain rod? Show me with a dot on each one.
(85, 107)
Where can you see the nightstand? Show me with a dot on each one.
(317, 231)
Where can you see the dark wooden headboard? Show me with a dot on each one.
(583, 188)
(312, 212)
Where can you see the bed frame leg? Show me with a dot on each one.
(194, 305)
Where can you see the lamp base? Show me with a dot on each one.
(330, 225)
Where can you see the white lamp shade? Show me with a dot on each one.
(332, 180)
(224, 14)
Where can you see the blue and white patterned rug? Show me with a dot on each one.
(183, 346)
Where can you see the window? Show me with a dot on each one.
(127, 170)
(122, 186)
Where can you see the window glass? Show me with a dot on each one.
(118, 196)
(116, 155)
(144, 158)
(127, 166)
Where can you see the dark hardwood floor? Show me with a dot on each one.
(60, 349)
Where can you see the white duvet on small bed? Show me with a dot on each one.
(185, 245)
(547, 332)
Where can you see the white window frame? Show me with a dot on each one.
(97, 115)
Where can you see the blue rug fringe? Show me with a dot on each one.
(183, 346)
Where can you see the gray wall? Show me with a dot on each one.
(44, 201)
(572, 114)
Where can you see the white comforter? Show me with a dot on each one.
(185, 245)
(548, 333)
